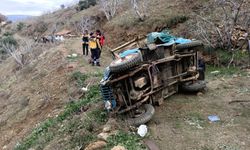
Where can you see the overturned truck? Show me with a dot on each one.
(140, 78)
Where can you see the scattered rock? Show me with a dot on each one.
(118, 148)
(5, 147)
(199, 94)
(235, 76)
(107, 128)
(103, 136)
(96, 145)
(111, 125)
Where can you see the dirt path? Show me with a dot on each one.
(81, 62)
(181, 122)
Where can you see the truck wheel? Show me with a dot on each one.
(197, 86)
(189, 45)
(125, 63)
(143, 117)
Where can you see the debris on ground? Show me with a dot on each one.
(118, 148)
(213, 118)
(96, 145)
(142, 130)
(215, 72)
(239, 101)
(109, 129)
(151, 145)
(74, 55)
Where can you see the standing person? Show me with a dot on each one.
(85, 43)
(94, 49)
(101, 39)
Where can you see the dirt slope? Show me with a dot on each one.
(181, 123)
(38, 91)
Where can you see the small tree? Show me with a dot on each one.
(109, 8)
(84, 4)
(62, 6)
(20, 26)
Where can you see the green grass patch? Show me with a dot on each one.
(196, 120)
(225, 56)
(79, 78)
(129, 140)
(224, 71)
(44, 133)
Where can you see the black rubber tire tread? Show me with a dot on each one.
(189, 45)
(144, 118)
(198, 86)
(126, 64)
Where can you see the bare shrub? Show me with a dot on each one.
(22, 54)
(13, 52)
(140, 8)
(86, 23)
(217, 31)
(109, 7)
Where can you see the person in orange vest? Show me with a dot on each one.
(94, 45)
(85, 43)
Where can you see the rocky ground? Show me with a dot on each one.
(182, 121)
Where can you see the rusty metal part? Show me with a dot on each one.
(190, 78)
(172, 93)
(159, 89)
(133, 94)
(126, 86)
(121, 97)
(145, 66)
(127, 44)
(171, 58)
(136, 105)
(140, 82)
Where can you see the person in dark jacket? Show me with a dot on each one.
(100, 39)
(85, 43)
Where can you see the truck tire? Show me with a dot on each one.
(189, 45)
(123, 64)
(143, 118)
(197, 86)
